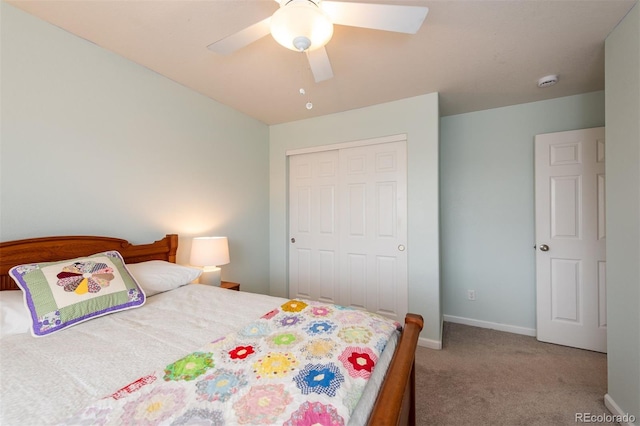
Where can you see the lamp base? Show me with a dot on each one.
(211, 276)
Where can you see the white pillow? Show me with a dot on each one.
(14, 316)
(156, 276)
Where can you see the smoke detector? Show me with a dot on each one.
(548, 80)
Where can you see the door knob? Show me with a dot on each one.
(544, 247)
(293, 240)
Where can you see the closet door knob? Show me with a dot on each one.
(401, 247)
(293, 240)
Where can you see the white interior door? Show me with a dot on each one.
(348, 227)
(570, 238)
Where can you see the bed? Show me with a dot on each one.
(46, 380)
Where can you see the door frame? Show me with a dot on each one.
(342, 145)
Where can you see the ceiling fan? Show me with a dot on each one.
(307, 26)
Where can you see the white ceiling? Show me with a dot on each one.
(478, 54)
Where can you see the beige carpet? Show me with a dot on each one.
(488, 377)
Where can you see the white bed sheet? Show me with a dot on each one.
(44, 380)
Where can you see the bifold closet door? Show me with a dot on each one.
(348, 227)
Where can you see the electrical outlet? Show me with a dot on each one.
(471, 294)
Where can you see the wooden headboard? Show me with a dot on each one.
(51, 249)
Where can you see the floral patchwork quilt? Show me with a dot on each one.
(303, 363)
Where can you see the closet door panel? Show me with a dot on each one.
(314, 242)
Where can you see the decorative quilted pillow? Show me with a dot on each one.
(65, 293)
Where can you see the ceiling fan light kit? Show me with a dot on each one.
(301, 25)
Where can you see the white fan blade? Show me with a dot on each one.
(242, 38)
(396, 18)
(320, 65)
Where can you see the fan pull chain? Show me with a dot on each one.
(302, 91)
(308, 105)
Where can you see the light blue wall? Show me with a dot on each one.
(487, 205)
(622, 86)
(418, 118)
(92, 143)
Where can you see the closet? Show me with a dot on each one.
(348, 225)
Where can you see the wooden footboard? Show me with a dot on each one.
(396, 402)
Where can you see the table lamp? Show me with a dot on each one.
(210, 253)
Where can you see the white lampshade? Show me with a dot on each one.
(209, 252)
(301, 25)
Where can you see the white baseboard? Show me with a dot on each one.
(429, 343)
(437, 344)
(492, 325)
(617, 411)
